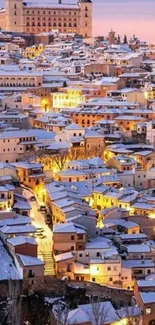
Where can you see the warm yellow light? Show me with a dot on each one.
(44, 102)
(93, 269)
(123, 321)
(146, 95)
(152, 216)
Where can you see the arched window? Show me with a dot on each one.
(75, 25)
(70, 25)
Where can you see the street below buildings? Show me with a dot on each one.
(45, 243)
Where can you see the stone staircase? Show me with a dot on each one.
(49, 263)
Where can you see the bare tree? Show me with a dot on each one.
(99, 312)
(76, 153)
(61, 312)
(10, 311)
(29, 156)
(94, 151)
(60, 159)
(131, 313)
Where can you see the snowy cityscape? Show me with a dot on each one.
(77, 169)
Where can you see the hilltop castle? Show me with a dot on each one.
(37, 16)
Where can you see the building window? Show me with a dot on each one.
(80, 255)
(72, 248)
(109, 268)
(30, 274)
(93, 279)
(72, 237)
(110, 279)
(98, 254)
(148, 311)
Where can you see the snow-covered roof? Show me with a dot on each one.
(63, 257)
(68, 227)
(18, 220)
(148, 297)
(133, 236)
(49, 4)
(74, 126)
(18, 229)
(7, 269)
(99, 243)
(85, 313)
(22, 205)
(143, 248)
(137, 263)
(30, 261)
(146, 283)
(20, 240)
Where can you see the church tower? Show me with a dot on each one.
(14, 15)
(85, 17)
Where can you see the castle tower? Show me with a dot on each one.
(111, 37)
(85, 17)
(14, 15)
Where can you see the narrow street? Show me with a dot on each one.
(45, 245)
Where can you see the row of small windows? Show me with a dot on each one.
(64, 19)
(15, 13)
(59, 25)
(49, 12)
